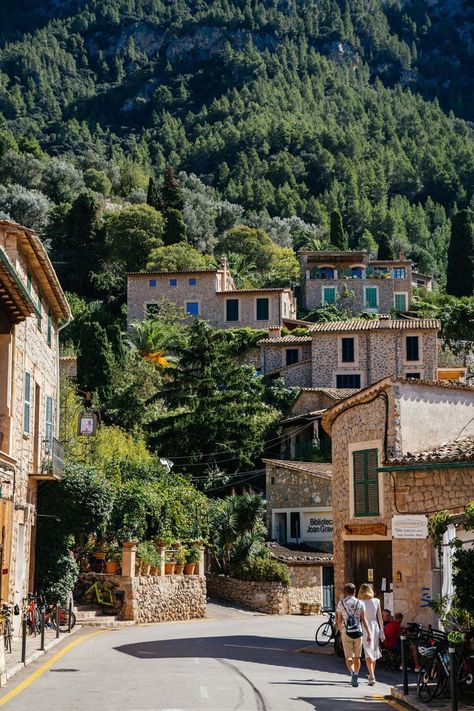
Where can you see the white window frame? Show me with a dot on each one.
(357, 447)
(410, 364)
(333, 288)
(345, 364)
(371, 309)
(400, 293)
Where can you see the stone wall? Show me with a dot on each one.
(152, 598)
(305, 586)
(211, 302)
(290, 488)
(378, 354)
(273, 355)
(270, 598)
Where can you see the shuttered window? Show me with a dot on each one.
(49, 424)
(49, 335)
(413, 348)
(262, 309)
(366, 483)
(400, 302)
(27, 403)
(232, 310)
(292, 356)
(348, 380)
(329, 295)
(348, 351)
(371, 297)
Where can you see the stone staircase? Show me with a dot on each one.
(95, 616)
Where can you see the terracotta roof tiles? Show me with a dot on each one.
(375, 325)
(459, 450)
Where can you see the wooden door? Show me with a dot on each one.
(365, 556)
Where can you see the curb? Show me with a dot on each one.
(15, 668)
(410, 700)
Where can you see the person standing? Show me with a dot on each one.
(350, 618)
(373, 614)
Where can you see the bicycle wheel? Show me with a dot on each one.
(430, 679)
(63, 619)
(465, 680)
(324, 634)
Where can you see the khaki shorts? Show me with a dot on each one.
(352, 647)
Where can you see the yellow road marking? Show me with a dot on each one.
(29, 680)
(390, 702)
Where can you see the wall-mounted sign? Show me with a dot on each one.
(317, 526)
(366, 529)
(87, 424)
(415, 526)
(370, 575)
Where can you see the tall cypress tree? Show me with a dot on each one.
(170, 193)
(337, 234)
(385, 247)
(460, 271)
(153, 196)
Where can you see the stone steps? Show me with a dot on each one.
(105, 621)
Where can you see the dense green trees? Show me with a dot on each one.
(460, 269)
(132, 233)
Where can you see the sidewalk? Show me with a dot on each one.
(13, 660)
(414, 701)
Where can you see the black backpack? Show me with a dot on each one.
(352, 624)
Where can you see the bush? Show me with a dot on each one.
(262, 570)
(57, 581)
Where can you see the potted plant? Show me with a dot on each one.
(112, 560)
(169, 562)
(181, 557)
(192, 559)
(146, 554)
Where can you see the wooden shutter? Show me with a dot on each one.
(348, 350)
(413, 350)
(262, 309)
(366, 486)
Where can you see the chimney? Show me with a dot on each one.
(402, 256)
(274, 332)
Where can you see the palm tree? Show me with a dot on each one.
(243, 272)
(156, 341)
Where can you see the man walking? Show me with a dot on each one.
(350, 616)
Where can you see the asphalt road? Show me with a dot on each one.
(233, 661)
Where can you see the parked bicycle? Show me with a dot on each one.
(434, 675)
(54, 614)
(6, 627)
(32, 613)
(326, 632)
(103, 595)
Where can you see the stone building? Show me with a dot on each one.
(400, 453)
(32, 308)
(354, 353)
(302, 432)
(211, 295)
(363, 284)
(299, 517)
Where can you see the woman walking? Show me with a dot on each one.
(373, 615)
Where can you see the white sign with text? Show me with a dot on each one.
(414, 526)
(317, 526)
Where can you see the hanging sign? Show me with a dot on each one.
(415, 526)
(87, 424)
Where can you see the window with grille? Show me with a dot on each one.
(413, 347)
(192, 308)
(348, 350)
(329, 295)
(366, 483)
(399, 273)
(371, 297)
(27, 403)
(292, 356)
(262, 309)
(49, 425)
(400, 302)
(232, 310)
(348, 380)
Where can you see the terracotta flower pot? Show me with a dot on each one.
(146, 568)
(154, 570)
(111, 567)
(189, 568)
(169, 568)
(99, 555)
(178, 569)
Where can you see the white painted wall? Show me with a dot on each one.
(430, 416)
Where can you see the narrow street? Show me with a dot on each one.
(233, 661)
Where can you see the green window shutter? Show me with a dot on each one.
(40, 311)
(28, 282)
(371, 300)
(232, 309)
(400, 302)
(49, 425)
(27, 403)
(366, 483)
(329, 295)
(262, 309)
(50, 329)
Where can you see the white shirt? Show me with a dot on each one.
(350, 606)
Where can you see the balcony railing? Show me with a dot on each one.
(52, 463)
(330, 274)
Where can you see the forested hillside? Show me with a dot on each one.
(287, 109)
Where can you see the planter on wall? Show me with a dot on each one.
(189, 568)
(111, 567)
(169, 568)
(178, 569)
